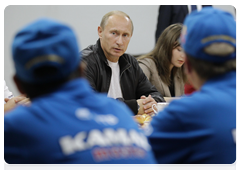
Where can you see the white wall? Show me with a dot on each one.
(84, 20)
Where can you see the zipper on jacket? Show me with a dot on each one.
(120, 79)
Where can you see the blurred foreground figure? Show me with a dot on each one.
(66, 122)
(201, 128)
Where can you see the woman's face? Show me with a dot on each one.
(178, 57)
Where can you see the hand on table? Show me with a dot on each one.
(13, 102)
(145, 104)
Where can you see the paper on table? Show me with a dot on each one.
(169, 99)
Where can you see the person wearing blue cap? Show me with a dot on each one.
(201, 128)
(66, 123)
(111, 71)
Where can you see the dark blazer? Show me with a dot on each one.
(170, 14)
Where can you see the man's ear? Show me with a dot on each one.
(188, 71)
(82, 68)
(18, 84)
(187, 67)
(100, 30)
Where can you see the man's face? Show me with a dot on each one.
(115, 36)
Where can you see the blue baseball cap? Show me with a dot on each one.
(209, 34)
(45, 43)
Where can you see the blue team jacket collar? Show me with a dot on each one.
(77, 86)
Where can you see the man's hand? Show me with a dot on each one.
(13, 102)
(145, 104)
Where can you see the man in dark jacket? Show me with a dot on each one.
(171, 14)
(112, 71)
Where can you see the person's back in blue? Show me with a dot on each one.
(67, 123)
(201, 128)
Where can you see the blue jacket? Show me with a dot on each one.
(74, 125)
(198, 129)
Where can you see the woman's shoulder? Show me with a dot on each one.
(147, 61)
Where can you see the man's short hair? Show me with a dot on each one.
(207, 70)
(107, 15)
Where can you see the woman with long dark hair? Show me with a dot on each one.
(163, 65)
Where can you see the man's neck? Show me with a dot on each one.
(110, 58)
(197, 82)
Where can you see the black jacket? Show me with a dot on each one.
(133, 81)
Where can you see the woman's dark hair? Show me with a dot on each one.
(162, 52)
